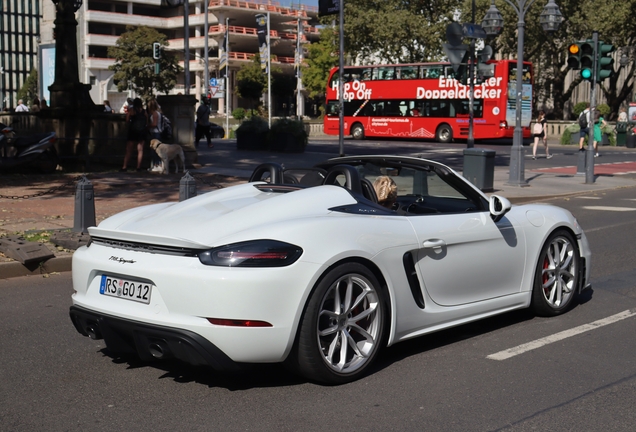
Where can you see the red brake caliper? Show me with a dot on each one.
(544, 276)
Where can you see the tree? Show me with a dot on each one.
(29, 89)
(135, 65)
(552, 84)
(251, 82)
(397, 31)
(322, 57)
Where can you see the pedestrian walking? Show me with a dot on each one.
(137, 120)
(203, 123)
(584, 123)
(539, 134)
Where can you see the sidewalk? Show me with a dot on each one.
(54, 209)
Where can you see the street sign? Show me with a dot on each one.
(457, 55)
(216, 92)
(213, 82)
(473, 31)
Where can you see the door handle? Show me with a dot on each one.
(434, 244)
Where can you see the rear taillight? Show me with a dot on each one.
(256, 253)
(503, 124)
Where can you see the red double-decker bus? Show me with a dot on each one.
(424, 100)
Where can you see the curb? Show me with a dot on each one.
(15, 269)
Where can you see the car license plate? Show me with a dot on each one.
(125, 289)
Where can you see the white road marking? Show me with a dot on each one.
(588, 197)
(520, 349)
(607, 208)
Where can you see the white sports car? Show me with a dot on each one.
(308, 269)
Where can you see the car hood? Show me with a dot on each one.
(205, 220)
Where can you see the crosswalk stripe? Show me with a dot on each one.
(608, 208)
(520, 349)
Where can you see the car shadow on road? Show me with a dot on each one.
(248, 377)
(252, 376)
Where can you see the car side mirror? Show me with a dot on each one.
(498, 206)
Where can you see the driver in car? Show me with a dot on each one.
(386, 190)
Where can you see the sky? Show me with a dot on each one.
(307, 2)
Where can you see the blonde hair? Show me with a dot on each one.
(386, 190)
(153, 105)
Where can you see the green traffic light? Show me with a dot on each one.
(586, 74)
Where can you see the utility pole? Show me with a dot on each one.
(589, 155)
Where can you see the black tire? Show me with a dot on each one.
(556, 277)
(444, 133)
(322, 357)
(357, 131)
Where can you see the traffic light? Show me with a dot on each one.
(574, 56)
(605, 63)
(484, 70)
(156, 50)
(587, 59)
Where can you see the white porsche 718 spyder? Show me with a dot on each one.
(308, 269)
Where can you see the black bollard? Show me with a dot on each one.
(84, 206)
(187, 187)
(581, 163)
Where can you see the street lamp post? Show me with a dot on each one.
(550, 20)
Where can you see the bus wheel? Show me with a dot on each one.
(357, 131)
(444, 134)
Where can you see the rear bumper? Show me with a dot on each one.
(149, 341)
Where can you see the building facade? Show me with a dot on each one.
(19, 39)
(101, 22)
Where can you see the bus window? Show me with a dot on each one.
(333, 108)
(449, 72)
(352, 74)
(460, 107)
(386, 73)
(526, 77)
(416, 108)
(334, 81)
(367, 74)
(431, 71)
(404, 109)
(377, 108)
(406, 72)
(355, 107)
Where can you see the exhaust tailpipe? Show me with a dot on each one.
(159, 350)
(92, 332)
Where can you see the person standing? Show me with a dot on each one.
(137, 120)
(203, 123)
(21, 107)
(599, 123)
(584, 119)
(154, 116)
(36, 104)
(539, 134)
(622, 116)
(107, 107)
